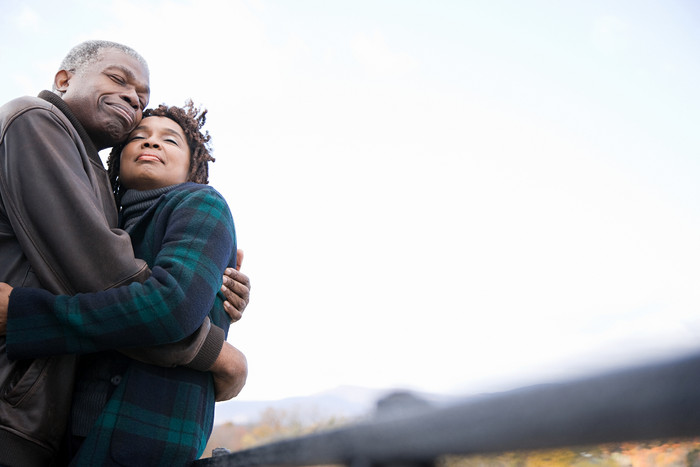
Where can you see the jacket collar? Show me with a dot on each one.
(63, 107)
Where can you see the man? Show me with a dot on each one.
(57, 231)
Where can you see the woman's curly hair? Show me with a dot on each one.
(191, 120)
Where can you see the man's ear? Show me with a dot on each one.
(61, 80)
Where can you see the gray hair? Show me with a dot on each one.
(88, 52)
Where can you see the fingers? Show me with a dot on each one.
(239, 259)
(232, 275)
(236, 289)
(233, 313)
(5, 291)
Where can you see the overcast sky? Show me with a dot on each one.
(449, 196)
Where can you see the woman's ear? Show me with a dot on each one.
(61, 80)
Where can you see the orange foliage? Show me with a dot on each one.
(673, 453)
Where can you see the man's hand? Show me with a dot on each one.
(5, 291)
(236, 289)
(230, 371)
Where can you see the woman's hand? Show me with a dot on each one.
(5, 291)
(236, 289)
(230, 371)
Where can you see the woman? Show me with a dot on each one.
(183, 229)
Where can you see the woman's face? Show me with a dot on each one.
(156, 155)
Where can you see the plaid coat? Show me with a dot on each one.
(156, 416)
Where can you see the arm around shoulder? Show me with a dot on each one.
(166, 308)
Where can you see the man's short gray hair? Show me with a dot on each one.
(87, 52)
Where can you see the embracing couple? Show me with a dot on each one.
(113, 316)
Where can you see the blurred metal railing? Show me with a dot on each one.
(659, 401)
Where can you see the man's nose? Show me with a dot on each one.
(132, 98)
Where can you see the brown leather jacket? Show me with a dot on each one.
(57, 231)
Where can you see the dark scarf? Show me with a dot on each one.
(135, 203)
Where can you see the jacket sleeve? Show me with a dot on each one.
(55, 208)
(197, 352)
(198, 242)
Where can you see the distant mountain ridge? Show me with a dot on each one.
(347, 402)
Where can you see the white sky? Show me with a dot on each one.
(450, 196)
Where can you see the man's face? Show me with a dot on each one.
(108, 96)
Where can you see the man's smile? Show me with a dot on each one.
(125, 111)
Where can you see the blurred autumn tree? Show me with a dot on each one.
(274, 424)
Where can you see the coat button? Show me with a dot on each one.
(116, 379)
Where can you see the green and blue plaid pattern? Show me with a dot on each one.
(165, 414)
